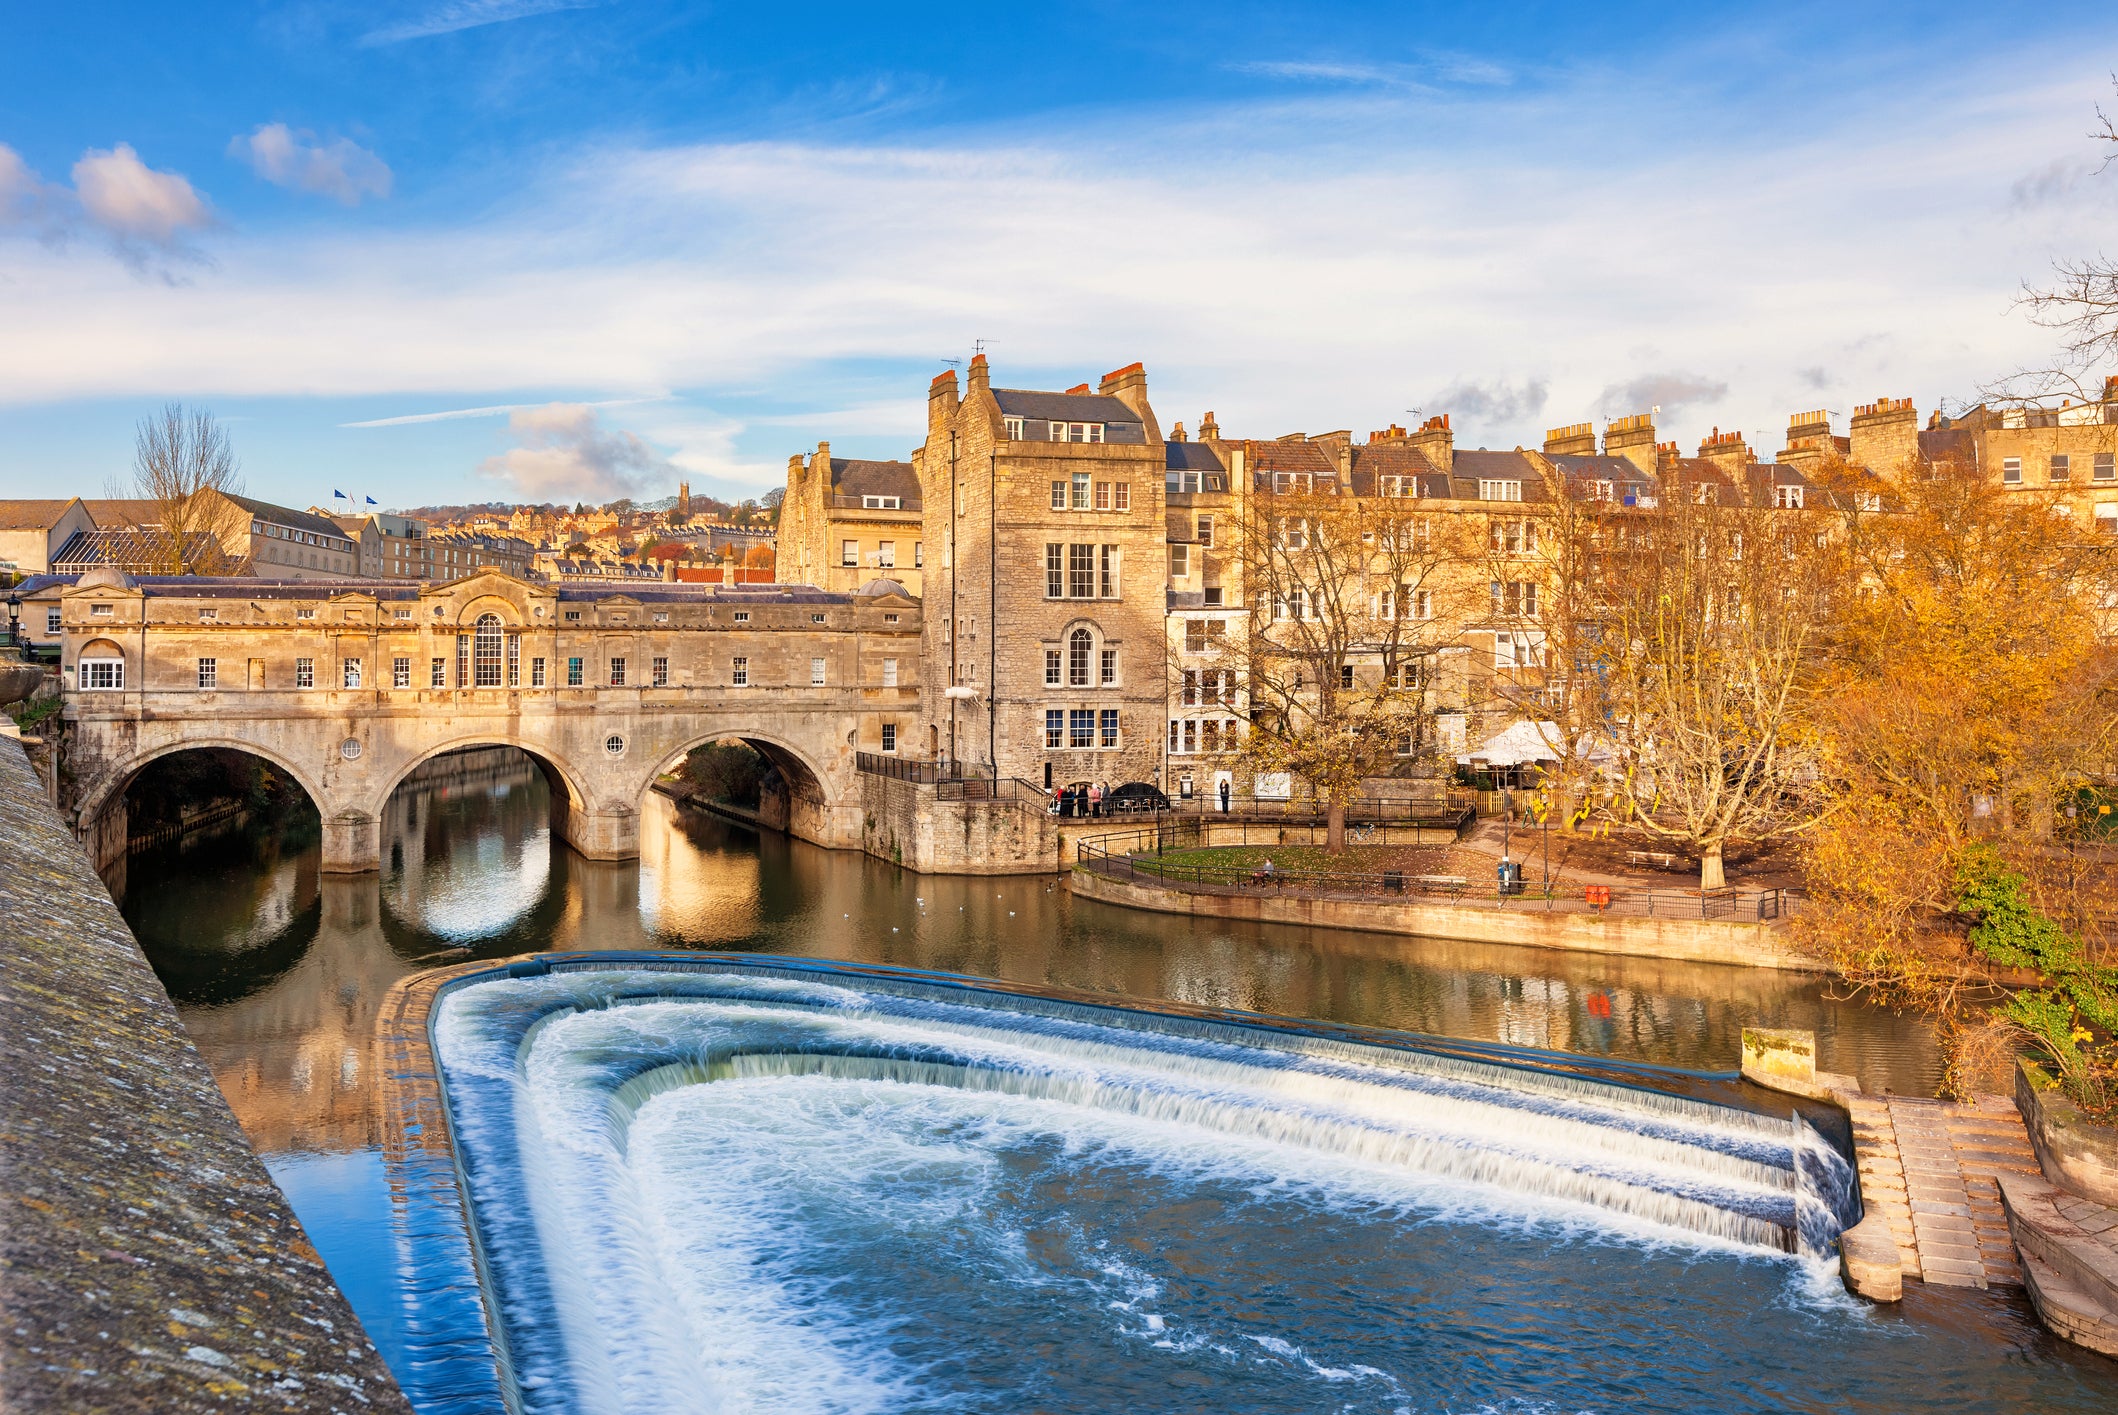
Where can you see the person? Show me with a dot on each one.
(1095, 798)
(1224, 795)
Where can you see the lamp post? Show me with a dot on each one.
(14, 618)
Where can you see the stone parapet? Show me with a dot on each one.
(147, 1261)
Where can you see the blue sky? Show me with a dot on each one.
(434, 250)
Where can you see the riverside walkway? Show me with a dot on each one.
(1933, 1169)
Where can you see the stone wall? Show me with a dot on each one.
(903, 823)
(147, 1261)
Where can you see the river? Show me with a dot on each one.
(278, 971)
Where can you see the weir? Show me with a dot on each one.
(578, 1096)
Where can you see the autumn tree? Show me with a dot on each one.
(184, 465)
(1714, 617)
(1348, 610)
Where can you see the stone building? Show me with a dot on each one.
(1046, 600)
(845, 522)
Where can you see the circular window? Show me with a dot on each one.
(350, 749)
(615, 745)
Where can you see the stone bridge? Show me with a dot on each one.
(348, 686)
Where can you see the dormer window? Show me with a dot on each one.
(882, 503)
(1284, 482)
(1787, 497)
(1400, 486)
(1077, 432)
(1512, 490)
(1014, 426)
(1181, 483)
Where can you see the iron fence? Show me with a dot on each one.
(1139, 855)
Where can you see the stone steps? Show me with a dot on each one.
(2070, 1259)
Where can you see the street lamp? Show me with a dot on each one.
(14, 618)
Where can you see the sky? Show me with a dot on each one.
(434, 251)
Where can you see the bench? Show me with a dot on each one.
(1652, 859)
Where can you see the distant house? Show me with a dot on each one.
(32, 532)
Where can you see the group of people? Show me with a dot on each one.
(1080, 799)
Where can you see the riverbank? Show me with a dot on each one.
(1692, 940)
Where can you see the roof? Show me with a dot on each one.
(123, 549)
(32, 515)
(246, 587)
(118, 515)
(1190, 457)
(1373, 461)
(288, 516)
(1289, 456)
(1947, 444)
(851, 476)
(1065, 407)
(1478, 465)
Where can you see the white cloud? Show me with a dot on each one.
(134, 203)
(341, 169)
(21, 192)
(566, 453)
(457, 15)
(1280, 278)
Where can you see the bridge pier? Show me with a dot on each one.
(352, 843)
(611, 833)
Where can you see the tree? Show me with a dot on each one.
(2082, 305)
(183, 464)
(1339, 656)
(1715, 614)
(1967, 696)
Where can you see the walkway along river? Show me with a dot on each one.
(279, 969)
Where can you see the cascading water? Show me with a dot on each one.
(713, 1191)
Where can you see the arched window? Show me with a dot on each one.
(485, 652)
(1078, 645)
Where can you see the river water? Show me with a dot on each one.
(1247, 1279)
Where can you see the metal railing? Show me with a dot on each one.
(980, 788)
(1447, 809)
(925, 771)
(1139, 855)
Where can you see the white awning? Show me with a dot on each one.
(1521, 744)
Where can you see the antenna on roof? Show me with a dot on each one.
(978, 345)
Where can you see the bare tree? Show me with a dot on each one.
(1716, 617)
(1347, 617)
(184, 465)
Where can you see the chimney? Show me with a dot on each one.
(1436, 442)
(1884, 436)
(1726, 450)
(1392, 433)
(1809, 441)
(1574, 440)
(1209, 430)
(1176, 434)
(941, 400)
(669, 569)
(1129, 386)
(1633, 438)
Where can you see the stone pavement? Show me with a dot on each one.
(1932, 1169)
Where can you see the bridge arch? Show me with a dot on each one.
(563, 777)
(104, 826)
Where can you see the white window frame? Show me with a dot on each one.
(889, 737)
(739, 671)
(100, 675)
(816, 673)
(209, 674)
(1180, 561)
(2011, 471)
(349, 674)
(848, 553)
(305, 673)
(1502, 490)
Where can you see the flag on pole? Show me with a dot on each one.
(337, 495)
(371, 501)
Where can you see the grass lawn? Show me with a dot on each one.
(1240, 861)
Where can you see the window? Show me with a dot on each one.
(1081, 727)
(1212, 594)
(1107, 666)
(2062, 466)
(1103, 496)
(573, 673)
(573, 616)
(849, 552)
(1054, 728)
(1787, 497)
(881, 503)
(1081, 491)
(1081, 572)
(2107, 517)
(739, 671)
(437, 674)
(1109, 721)
(816, 673)
(207, 616)
(1500, 491)
(1515, 598)
(617, 673)
(661, 616)
(2106, 467)
(1517, 650)
(886, 554)
(536, 672)
(2011, 471)
(889, 673)
(1285, 482)
(1179, 561)
(349, 672)
(1059, 495)
(99, 611)
(1345, 675)
(402, 614)
(514, 660)
(1203, 634)
(100, 673)
(1014, 429)
(818, 618)
(1077, 432)
(659, 665)
(485, 652)
(51, 621)
(1054, 572)
(1422, 604)
(1123, 494)
(305, 673)
(1180, 483)
(742, 616)
(400, 672)
(1108, 566)
(889, 736)
(1206, 531)
(209, 672)
(1051, 668)
(1078, 645)
(1513, 537)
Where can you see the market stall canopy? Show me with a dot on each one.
(1521, 744)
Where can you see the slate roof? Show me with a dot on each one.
(246, 587)
(1288, 456)
(1949, 444)
(287, 516)
(1471, 467)
(852, 477)
(119, 515)
(1064, 407)
(1376, 460)
(1190, 457)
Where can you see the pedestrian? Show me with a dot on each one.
(1224, 795)
(1095, 798)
